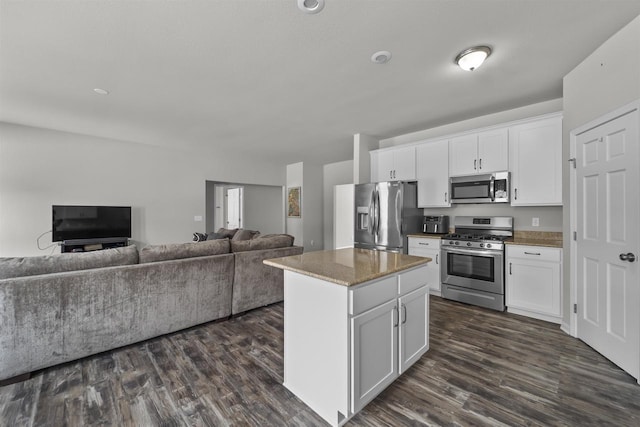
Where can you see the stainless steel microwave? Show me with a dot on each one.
(485, 188)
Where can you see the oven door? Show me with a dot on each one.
(477, 269)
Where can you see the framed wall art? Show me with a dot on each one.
(293, 202)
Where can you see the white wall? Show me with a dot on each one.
(264, 208)
(312, 207)
(165, 187)
(307, 230)
(295, 225)
(550, 217)
(362, 144)
(333, 174)
(607, 79)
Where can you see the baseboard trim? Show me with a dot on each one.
(16, 379)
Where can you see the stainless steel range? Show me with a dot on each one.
(472, 268)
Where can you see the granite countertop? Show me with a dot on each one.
(536, 238)
(428, 236)
(347, 266)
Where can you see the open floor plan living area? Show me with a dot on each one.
(320, 213)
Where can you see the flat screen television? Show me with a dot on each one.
(90, 222)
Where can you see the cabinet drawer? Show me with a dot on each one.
(424, 243)
(412, 280)
(372, 295)
(534, 253)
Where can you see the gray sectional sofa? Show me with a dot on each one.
(59, 308)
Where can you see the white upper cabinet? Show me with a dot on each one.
(397, 164)
(432, 172)
(493, 151)
(481, 152)
(463, 155)
(535, 150)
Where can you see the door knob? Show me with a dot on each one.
(628, 257)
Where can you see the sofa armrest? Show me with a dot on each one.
(255, 284)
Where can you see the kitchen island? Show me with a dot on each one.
(354, 320)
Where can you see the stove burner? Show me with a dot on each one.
(470, 236)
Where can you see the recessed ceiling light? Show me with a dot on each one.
(472, 58)
(310, 6)
(101, 91)
(381, 57)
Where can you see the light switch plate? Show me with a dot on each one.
(197, 218)
(535, 222)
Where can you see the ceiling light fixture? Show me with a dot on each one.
(381, 57)
(101, 91)
(472, 58)
(310, 6)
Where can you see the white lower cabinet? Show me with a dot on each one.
(533, 282)
(374, 353)
(343, 345)
(388, 338)
(413, 336)
(428, 247)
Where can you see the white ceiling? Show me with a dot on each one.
(263, 77)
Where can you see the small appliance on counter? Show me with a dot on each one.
(436, 224)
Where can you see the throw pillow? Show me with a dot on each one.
(215, 236)
(243, 234)
(226, 232)
(199, 237)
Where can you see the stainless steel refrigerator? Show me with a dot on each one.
(386, 212)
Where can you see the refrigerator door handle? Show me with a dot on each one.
(372, 211)
(377, 214)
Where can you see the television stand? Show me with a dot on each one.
(87, 245)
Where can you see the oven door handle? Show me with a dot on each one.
(471, 252)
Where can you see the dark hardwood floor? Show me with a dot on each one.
(483, 368)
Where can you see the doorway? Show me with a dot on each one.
(256, 207)
(233, 207)
(604, 214)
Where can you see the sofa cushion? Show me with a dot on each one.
(268, 241)
(37, 265)
(243, 234)
(169, 251)
(227, 232)
(215, 236)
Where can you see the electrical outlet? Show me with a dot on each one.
(535, 222)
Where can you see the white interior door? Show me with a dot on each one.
(608, 237)
(233, 198)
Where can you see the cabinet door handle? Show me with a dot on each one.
(515, 191)
(510, 269)
(532, 253)
(390, 174)
(480, 164)
(445, 197)
(437, 258)
(404, 314)
(423, 244)
(475, 162)
(395, 316)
